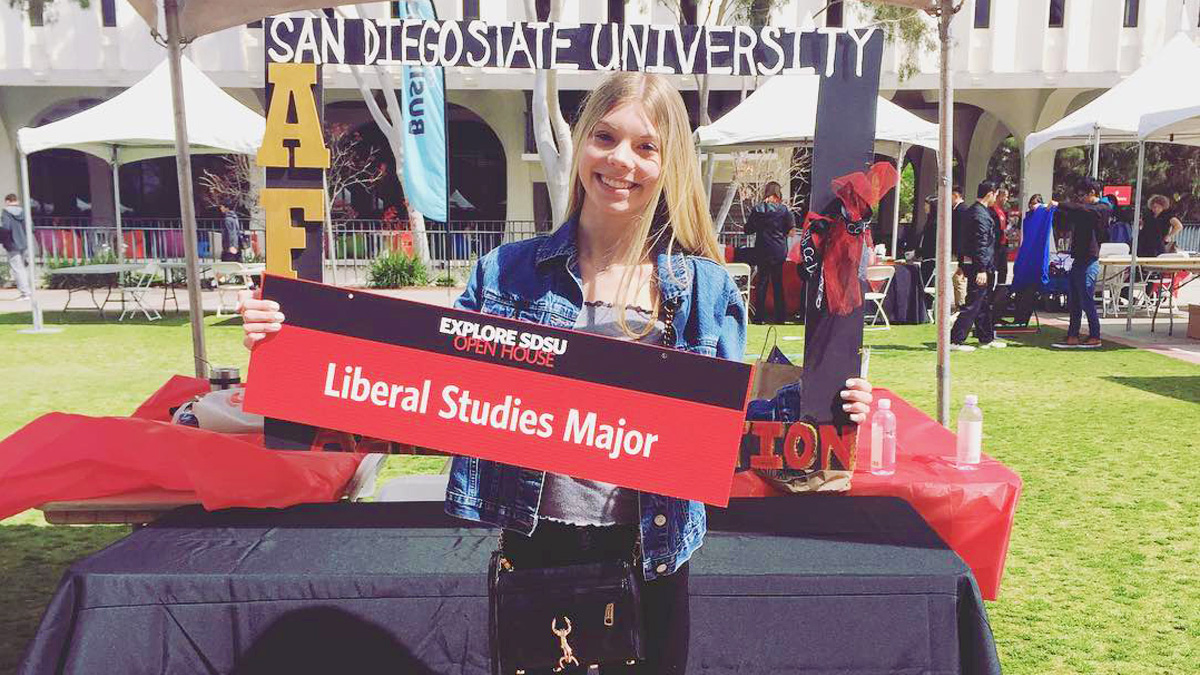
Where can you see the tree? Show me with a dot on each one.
(1170, 170)
(911, 28)
(42, 10)
(390, 120)
(238, 186)
(353, 163)
(551, 132)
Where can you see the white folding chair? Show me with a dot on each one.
(1109, 286)
(230, 277)
(931, 290)
(133, 297)
(879, 274)
(740, 272)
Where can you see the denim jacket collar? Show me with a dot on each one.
(672, 270)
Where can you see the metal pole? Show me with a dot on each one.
(946, 162)
(30, 253)
(1133, 247)
(116, 181)
(329, 226)
(1096, 151)
(896, 210)
(183, 168)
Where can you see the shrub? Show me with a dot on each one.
(446, 280)
(397, 269)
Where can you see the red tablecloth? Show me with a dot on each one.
(971, 510)
(64, 457)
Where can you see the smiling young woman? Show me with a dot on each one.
(637, 259)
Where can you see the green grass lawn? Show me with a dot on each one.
(1103, 573)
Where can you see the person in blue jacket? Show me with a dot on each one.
(637, 259)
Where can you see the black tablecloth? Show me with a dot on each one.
(805, 584)
(905, 301)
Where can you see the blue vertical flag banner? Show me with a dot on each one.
(423, 96)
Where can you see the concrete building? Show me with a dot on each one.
(1019, 65)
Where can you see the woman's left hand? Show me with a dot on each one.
(856, 399)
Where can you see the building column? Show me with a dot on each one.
(1039, 175)
(9, 161)
(989, 133)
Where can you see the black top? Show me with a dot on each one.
(979, 236)
(1089, 227)
(771, 222)
(1154, 230)
(928, 247)
(958, 221)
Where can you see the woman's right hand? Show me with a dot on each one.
(260, 317)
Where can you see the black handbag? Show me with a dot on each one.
(559, 617)
(571, 615)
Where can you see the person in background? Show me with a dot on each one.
(1088, 221)
(1158, 229)
(927, 249)
(231, 235)
(12, 237)
(979, 266)
(958, 217)
(1120, 230)
(999, 211)
(771, 222)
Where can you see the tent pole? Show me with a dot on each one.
(183, 168)
(116, 181)
(1096, 152)
(1137, 224)
(896, 210)
(30, 252)
(946, 164)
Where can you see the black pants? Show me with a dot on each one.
(665, 612)
(977, 311)
(771, 273)
(1001, 263)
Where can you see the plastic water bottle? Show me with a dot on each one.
(970, 433)
(883, 439)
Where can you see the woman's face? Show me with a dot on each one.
(620, 163)
(1156, 207)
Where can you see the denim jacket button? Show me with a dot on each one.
(661, 569)
(660, 520)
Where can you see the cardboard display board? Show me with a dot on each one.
(848, 61)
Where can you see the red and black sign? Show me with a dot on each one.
(639, 416)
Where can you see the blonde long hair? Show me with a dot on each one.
(676, 217)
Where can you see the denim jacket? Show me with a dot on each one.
(538, 280)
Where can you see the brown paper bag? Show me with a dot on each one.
(772, 372)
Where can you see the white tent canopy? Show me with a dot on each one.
(139, 123)
(1176, 117)
(783, 111)
(1117, 113)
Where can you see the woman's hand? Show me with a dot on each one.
(856, 399)
(260, 317)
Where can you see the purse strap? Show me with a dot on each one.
(771, 339)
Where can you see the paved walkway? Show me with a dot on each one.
(1177, 346)
(56, 300)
